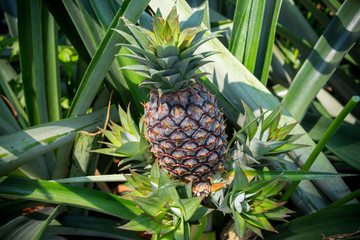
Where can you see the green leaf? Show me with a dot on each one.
(200, 212)
(140, 223)
(278, 213)
(129, 149)
(53, 192)
(104, 227)
(44, 138)
(31, 60)
(167, 190)
(239, 223)
(51, 65)
(345, 143)
(151, 206)
(188, 206)
(249, 117)
(29, 226)
(342, 220)
(194, 20)
(324, 59)
(240, 181)
(97, 178)
(103, 58)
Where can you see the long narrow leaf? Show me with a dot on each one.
(324, 58)
(337, 222)
(51, 65)
(64, 194)
(30, 226)
(103, 58)
(47, 137)
(31, 60)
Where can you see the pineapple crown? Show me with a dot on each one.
(252, 203)
(166, 53)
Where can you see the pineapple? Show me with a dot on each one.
(185, 127)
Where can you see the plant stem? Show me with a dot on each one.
(343, 200)
(321, 144)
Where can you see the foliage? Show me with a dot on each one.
(63, 62)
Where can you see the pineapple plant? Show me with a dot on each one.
(127, 142)
(262, 139)
(185, 127)
(252, 203)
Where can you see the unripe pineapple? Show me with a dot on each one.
(184, 125)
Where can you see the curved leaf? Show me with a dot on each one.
(53, 192)
(44, 138)
(29, 226)
(342, 222)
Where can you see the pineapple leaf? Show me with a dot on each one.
(167, 191)
(279, 186)
(188, 52)
(188, 206)
(278, 213)
(154, 228)
(139, 36)
(128, 37)
(109, 151)
(151, 206)
(141, 60)
(268, 204)
(115, 140)
(239, 224)
(249, 121)
(194, 20)
(272, 121)
(140, 223)
(200, 212)
(167, 51)
(281, 133)
(155, 173)
(239, 182)
(140, 52)
(286, 148)
(129, 149)
(255, 230)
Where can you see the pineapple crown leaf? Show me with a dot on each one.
(169, 46)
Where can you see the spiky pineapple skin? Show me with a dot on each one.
(186, 131)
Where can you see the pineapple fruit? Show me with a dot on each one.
(185, 127)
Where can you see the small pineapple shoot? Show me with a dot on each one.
(167, 207)
(127, 142)
(252, 204)
(264, 139)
